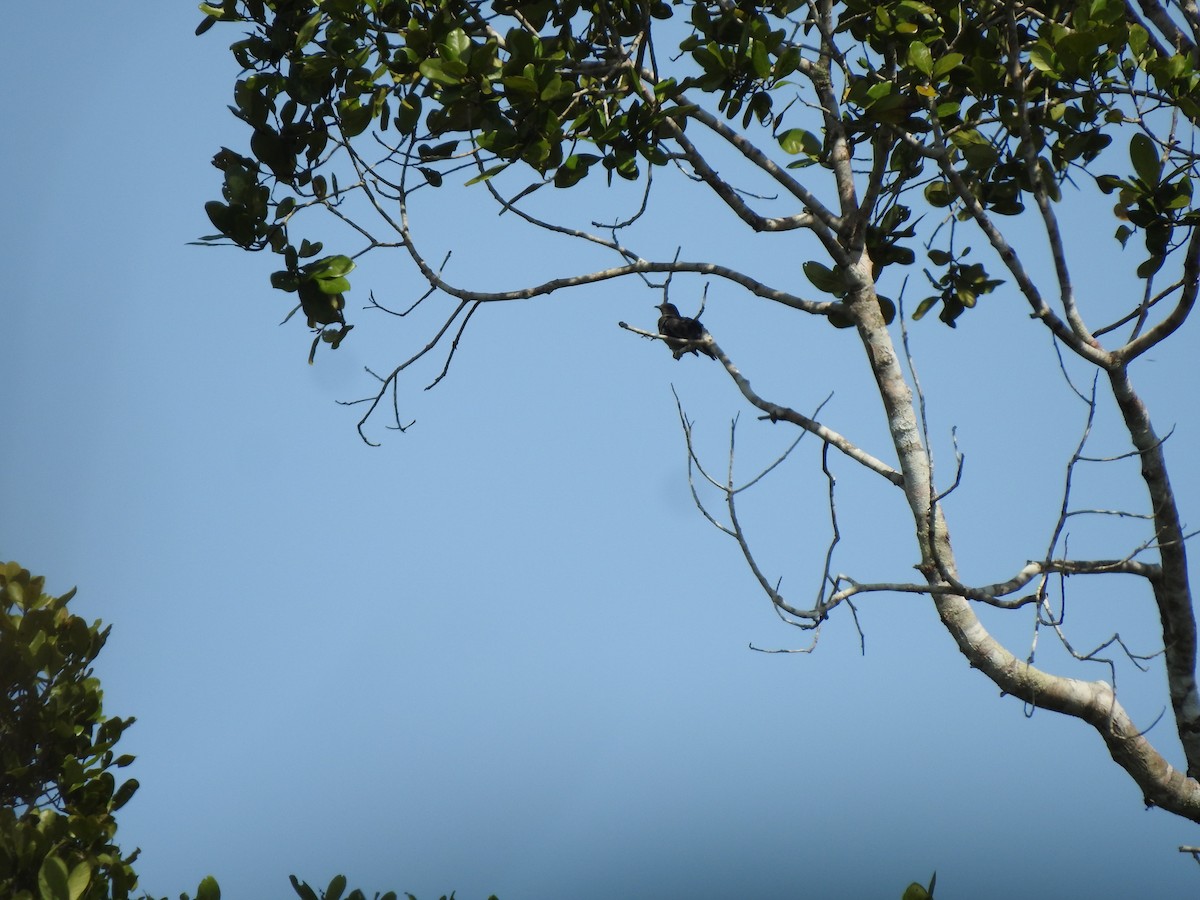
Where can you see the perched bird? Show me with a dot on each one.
(680, 330)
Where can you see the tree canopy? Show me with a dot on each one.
(58, 760)
(934, 141)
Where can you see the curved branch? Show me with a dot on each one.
(777, 413)
(641, 266)
(827, 217)
(731, 197)
(990, 594)
(1093, 702)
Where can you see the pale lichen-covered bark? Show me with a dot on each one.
(1092, 701)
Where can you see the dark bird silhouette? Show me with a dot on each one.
(680, 331)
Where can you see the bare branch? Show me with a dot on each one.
(1074, 460)
(808, 618)
(776, 413)
(453, 346)
(812, 204)
(1177, 316)
(390, 379)
(731, 197)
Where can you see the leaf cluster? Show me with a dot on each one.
(337, 891)
(58, 786)
(1154, 200)
(959, 110)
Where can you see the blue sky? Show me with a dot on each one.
(503, 652)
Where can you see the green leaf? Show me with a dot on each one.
(1077, 51)
(488, 173)
(320, 308)
(332, 266)
(976, 148)
(759, 59)
(333, 286)
(79, 879)
(920, 58)
(444, 71)
(1150, 266)
(408, 115)
(797, 140)
(1144, 157)
(1183, 194)
(880, 90)
(520, 84)
(354, 116)
(308, 29)
(219, 214)
(824, 279)
(53, 883)
(456, 44)
(923, 307)
(555, 89)
(309, 249)
(440, 151)
(946, 64)
(939, 194)
(574, 169)
(336, 888)
(125, 793)
(303, 891)
(839, 318)
(208, 889)
(1044, 60)
(1139, 39)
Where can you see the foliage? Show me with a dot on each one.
(58, 789)
(557, 93)
(889, 136)
(337, 891)
(917, 891)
